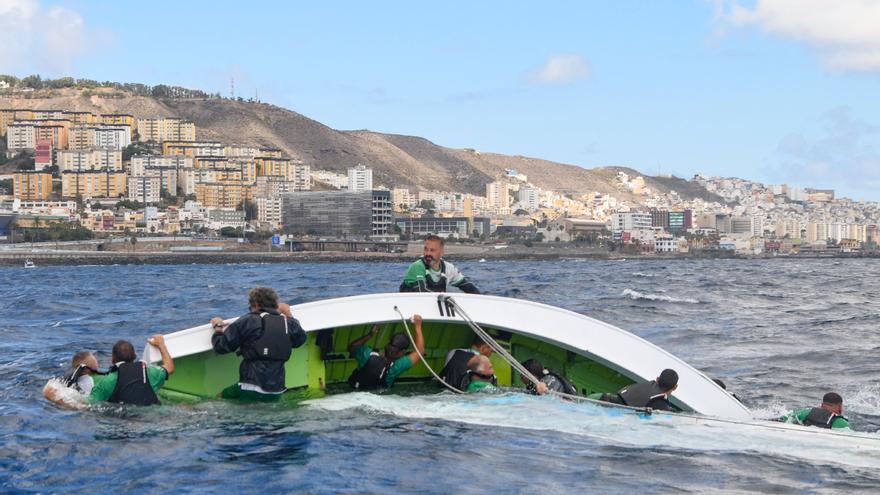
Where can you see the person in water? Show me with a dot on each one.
(431, 273)
(724, 386)
(481, 375)
(829, 414)
(78, 377)
(548, 380)
(265, 338)
(455, 368)
(134, 382)
(380, 370)
(654, 394)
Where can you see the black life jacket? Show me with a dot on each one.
(133, 386)
(821, 418)
(641, 394)
(371, 375)
(556, 382)
(273, 343)
(456, 370)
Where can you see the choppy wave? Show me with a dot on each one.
(643, 275)
(620, 427)
(636, 296)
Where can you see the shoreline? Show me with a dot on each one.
(17, 259)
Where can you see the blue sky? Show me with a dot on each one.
(771, 90)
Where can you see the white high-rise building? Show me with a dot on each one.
(115, 138)
(360, 179)
(529, 198)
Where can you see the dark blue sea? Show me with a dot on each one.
(780, 333)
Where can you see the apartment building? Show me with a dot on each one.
(360, 178)
(93, 184)
(163, 129)
(193, 148)
(140, 163)
(116, 138)
(119, 119)
(145, 189)
(269, 211)
(498, 195)
(90, 159)
(31, 185)
(223, 193)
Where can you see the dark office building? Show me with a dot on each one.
(337, 214)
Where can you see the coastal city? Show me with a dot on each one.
(432, 248)
(83, 175)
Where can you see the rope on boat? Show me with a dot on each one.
(522, 370)
(411, 339)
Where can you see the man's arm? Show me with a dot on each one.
(467, 286)
(457, 279)
(420, 340)
(159, 342)
(297, 334)
(103, 389)
(227, 338)
(363, 340)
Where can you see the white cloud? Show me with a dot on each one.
(846, 33)
(35, 38)
(844, 154)
(561, 69)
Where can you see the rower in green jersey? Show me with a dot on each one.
(828, 415)
(481, 375)
(431, 273)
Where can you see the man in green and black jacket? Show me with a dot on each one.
(431, 273)
(829, 414)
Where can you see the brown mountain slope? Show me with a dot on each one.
(396, 160)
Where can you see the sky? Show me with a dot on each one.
(778, 91)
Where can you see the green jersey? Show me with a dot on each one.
(421, 277)
(480, 386)
(104, 388)
(800, 415)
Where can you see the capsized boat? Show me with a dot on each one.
(593, 355)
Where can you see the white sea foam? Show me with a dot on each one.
(620, 427)
(636, 296)
(63, 395)
(865, 399)
(642, 274)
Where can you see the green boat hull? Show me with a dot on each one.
(312, 371)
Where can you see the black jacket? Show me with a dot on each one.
(267, 374)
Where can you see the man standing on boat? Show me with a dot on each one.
(828, 415)
(431, 273)
(265, 338)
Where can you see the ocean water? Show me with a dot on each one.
(780, 333)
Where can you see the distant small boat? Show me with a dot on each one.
(482, 260)
(29, 264)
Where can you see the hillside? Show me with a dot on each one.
(396, 160)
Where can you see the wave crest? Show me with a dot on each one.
(637, 296)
